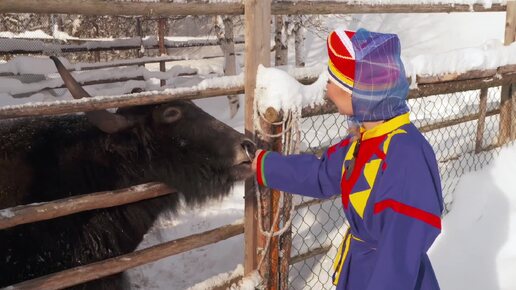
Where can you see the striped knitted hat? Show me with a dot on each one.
(368, 65)
(341, 65)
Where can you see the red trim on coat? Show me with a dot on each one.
(407, 210)
(259, 172)
(334, 148)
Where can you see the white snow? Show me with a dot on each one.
(491, 55)
(277, 89)
(8, 213)
(219, 279)
(477, 248)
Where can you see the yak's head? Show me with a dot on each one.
(176, 143)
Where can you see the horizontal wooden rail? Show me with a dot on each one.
(24, 214)
(96, 103)
(96, 7)
(333, 7)
(85, 105)
(435, 86)
(37, 47)
(309, 254)
(314, 202)
(484, 149)
(119, 264)
(453, 122)
(98, 82)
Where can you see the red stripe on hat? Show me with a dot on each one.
(338, 45)
(407, 210)
(340, 56)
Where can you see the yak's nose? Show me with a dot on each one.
(249, 148)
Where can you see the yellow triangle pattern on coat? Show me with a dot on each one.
(389, 138)
(359, 199)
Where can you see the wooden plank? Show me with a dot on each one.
(513, 113)
(285, 244)
(37, 47)
(96, 103)
(309, 254)
(481, 120)
(162, 26)
(334, 7)
(257, 51)
(121, 263)
(24, 214)
(453, 122)
(474, 74)
(97, 7)
(506, 93)
(271, 268)
(428, 90)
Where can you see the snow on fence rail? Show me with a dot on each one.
(95, 7)
(222, 86)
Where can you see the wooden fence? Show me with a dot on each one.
(257, 17)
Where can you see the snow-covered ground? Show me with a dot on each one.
(477, 249)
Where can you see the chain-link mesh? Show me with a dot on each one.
(318, 226)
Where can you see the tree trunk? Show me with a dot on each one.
(281, 40)
(299, 37)
(225, 34)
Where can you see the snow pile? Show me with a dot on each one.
(477, 248)
(491, 55)
(32, 65)
(250, 282)
(36, 34)
(6, 213)
(219, 280)
(247, 283)
(278, 89)
(13, 86)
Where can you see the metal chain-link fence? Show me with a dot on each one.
(318, 226)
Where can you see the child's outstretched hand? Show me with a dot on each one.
(255, 160)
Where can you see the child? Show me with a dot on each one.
(386, 173)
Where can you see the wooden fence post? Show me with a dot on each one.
(279, 264)
(225, 35)
(506, 109)
(139, 33)
(481, 120)
(162, 27)
(257, 51)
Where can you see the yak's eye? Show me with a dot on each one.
(170, 115)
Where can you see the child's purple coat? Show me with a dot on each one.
(393, 224)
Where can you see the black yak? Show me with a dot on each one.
(48, 158)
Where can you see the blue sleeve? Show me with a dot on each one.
(406, 215)
(303, 174)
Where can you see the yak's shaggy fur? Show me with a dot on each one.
(44, 159)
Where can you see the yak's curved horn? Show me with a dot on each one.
(102, 119)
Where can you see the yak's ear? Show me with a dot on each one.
(167, 115)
